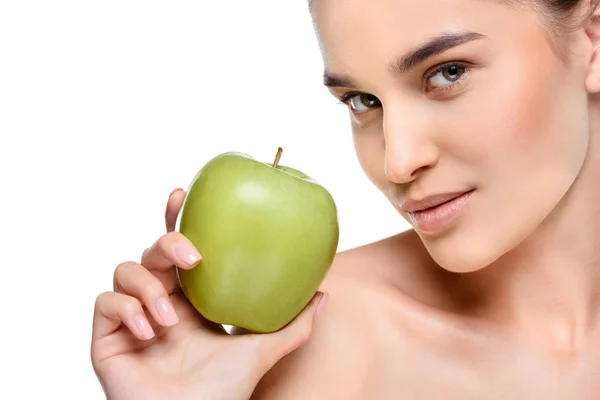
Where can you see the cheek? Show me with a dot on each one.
(531, 119)
(521, 133)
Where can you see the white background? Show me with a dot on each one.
(105, 107)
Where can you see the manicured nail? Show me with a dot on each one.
(322, 302)
(174, 191)
(144, 326)
(166, 311)
(187, 253)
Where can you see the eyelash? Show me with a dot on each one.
(348, 96)
(345, 99)
(436, 70)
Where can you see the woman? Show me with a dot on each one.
(480, 122)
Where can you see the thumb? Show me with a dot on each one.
(173, 207)
(274, 346)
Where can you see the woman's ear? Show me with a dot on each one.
(592, 30)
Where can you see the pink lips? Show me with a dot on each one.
(434, 213)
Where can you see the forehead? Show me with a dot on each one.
(376, 29)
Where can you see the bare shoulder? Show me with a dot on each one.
(357, 285)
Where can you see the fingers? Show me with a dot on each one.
(113, 309)
(173, 207)
(275, 346)
(171, 249)
(134, 280)
(147, 284)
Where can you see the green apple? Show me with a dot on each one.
(268, 235)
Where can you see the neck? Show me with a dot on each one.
(549, 286)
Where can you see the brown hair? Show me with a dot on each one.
(560, 17)
(559, 13)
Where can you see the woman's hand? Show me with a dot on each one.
(149, 343)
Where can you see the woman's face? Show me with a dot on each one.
(459, 96)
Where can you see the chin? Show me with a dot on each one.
(464, 250)
(461, 259)
(476, 240)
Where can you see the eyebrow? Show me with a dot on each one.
(434, 46)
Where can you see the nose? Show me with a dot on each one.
(410, 148)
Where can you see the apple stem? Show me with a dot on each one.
(277, 157)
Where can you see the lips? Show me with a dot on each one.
(412, 206)
(434, 214)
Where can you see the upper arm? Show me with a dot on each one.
(319, 368)
(307, 373)
(313, 370)
(300, 375)
(323, 367)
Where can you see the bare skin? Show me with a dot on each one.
(504, 302)
(395, 328)
(501, 303)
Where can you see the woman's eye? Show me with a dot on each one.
(446, 76)
(363, 102)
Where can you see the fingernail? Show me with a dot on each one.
(187, 253)
(144, 326)
(322, 302)
(166, 311)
